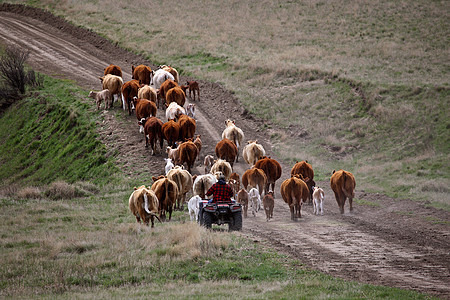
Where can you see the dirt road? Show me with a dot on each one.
(388, 241)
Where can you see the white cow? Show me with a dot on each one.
(255, 200)
(159, 77)
(233, 133)
(169, 165)
(318, 197)
(193, 207)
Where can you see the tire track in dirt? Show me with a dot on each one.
(374, 244)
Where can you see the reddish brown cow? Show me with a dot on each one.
(268, 204)
(343, 185)
(272, 169)
(198, 143)
(176, 95)
(307, 172)
(294, 192)
(114, 70)
(254, 178)
(227, 150)
(187, 127)
(193, 87)
(235, 176)
(129, 91)
(187, 154)
(153, 132)
(171, 132)
(144, 109)
(165, 87)
(142, 74)
(167, 192)
(242, 197)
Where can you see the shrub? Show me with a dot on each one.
(62, 190)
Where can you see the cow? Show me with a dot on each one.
(147, 92)
(233, 133)
(208, 162)
(167, 192)
(174, 111)
(113, 70)
(343, 185)
(171, 132)
(235, 186)
(318, 197)
(198, 143)
(272, 169)
(190, 110)
(187, 127)
(294, 192)
(176, 95)
(143, 74)
(144, 109)
(183, 179)
(255, 200)
(202, 183)
(113, 83)
(223, 166)
(144, 205)
(165, 87)
(104, 95)
(307, 172)
(169, 165)
(193, 207)
(254, 178)
(227, 150)
(252, 152)
(172, 71)
(193, 87)
(153, 132)
(235, 176)
(268, 204)
(242, 197)
(129, 91)
(187, 154)
(159, 77)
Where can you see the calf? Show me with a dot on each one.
(190, 110)
(318, 197)
(169, 165)
(198, 143)
(255, 200)
(208, 162)
(104, 95)
(152, 132)
(193, 87)
(242, 197)
(268, 204)
(193, 207)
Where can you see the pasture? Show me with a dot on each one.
(355, 85)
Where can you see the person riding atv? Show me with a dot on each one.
(221, 191)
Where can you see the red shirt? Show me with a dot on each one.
(221, 192)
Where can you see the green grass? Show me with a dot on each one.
(51, 135)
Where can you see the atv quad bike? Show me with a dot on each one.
(220, 213)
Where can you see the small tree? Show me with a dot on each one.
(12, 68)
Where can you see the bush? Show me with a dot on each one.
(62, 190)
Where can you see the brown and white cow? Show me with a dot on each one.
(144, 109)
(272, 169)
(176, 95)
(222, 166)
(198, 143)
(294, 192)
(242, 197)
(142, 73)
(147, 92)
(165, 87)
(254, 178)
(183, 179)
(167, 192)
(227, 150)
(208, 162)
(174, 111)
(233, 133)
(343, 185)
(114, 70)
(187, 154)
(172, 71)
(306, 170)
(129, 91)
(252, 152)
(144, 205)
(113, 83)
(202, 183)
(153, 132)
(171, 132)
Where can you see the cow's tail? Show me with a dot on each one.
(123, 101)
(146, 203)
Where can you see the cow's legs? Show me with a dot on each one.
(350, 201)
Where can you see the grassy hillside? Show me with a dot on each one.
(360, 85)
(51, 135)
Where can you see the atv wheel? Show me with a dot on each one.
(207, 219)
(236, 223)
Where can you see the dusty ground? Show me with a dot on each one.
(397, 243)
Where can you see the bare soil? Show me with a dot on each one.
(399, 243)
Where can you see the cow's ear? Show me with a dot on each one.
(132, 68)
(135, 188)
(334, 171)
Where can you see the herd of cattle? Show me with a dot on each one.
(149, 91)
